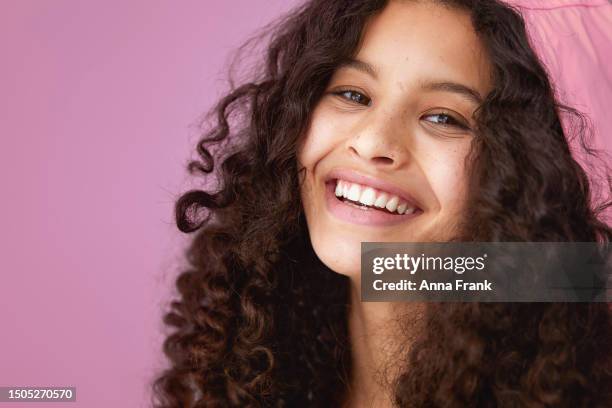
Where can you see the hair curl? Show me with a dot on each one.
(262, 322)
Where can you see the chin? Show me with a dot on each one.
(339, 253)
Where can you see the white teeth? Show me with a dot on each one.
(345, 190)
(339, 189)
(368, 196)
(392, 203)
(381, 201)
(401, 208)
(354, 192)
(371, 197)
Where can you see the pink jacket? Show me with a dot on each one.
(574, 41)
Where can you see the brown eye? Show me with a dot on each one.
(354, 96)
(444, 119)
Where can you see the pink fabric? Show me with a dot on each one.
(555, 4)
(574, 41)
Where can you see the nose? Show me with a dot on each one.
(379, 142)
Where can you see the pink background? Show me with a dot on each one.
(96, 113)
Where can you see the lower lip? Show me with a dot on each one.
(361, 215)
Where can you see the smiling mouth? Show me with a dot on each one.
(370, 199)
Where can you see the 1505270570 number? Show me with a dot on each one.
(42, 394)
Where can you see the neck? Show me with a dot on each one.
(380, 334)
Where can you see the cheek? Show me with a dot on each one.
(444, 167)
(317, 142)
(322, 134)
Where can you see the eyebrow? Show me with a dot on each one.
(428, 85)
(359, 66)
(454, 87)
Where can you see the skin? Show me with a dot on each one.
(394, 127)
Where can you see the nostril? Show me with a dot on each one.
(383, 160)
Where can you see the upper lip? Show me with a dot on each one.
(366, 180)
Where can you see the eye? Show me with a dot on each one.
(353, 96)
(446, 120)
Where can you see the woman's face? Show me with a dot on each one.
(384, 152)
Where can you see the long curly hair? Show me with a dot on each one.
(260, 321)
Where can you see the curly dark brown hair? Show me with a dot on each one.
(260, 321)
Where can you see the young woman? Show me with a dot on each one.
(432, 121)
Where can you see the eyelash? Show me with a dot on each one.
(454, 122)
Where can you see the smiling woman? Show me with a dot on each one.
(402, 113)
(384, 121)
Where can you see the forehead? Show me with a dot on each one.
(409, 40)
